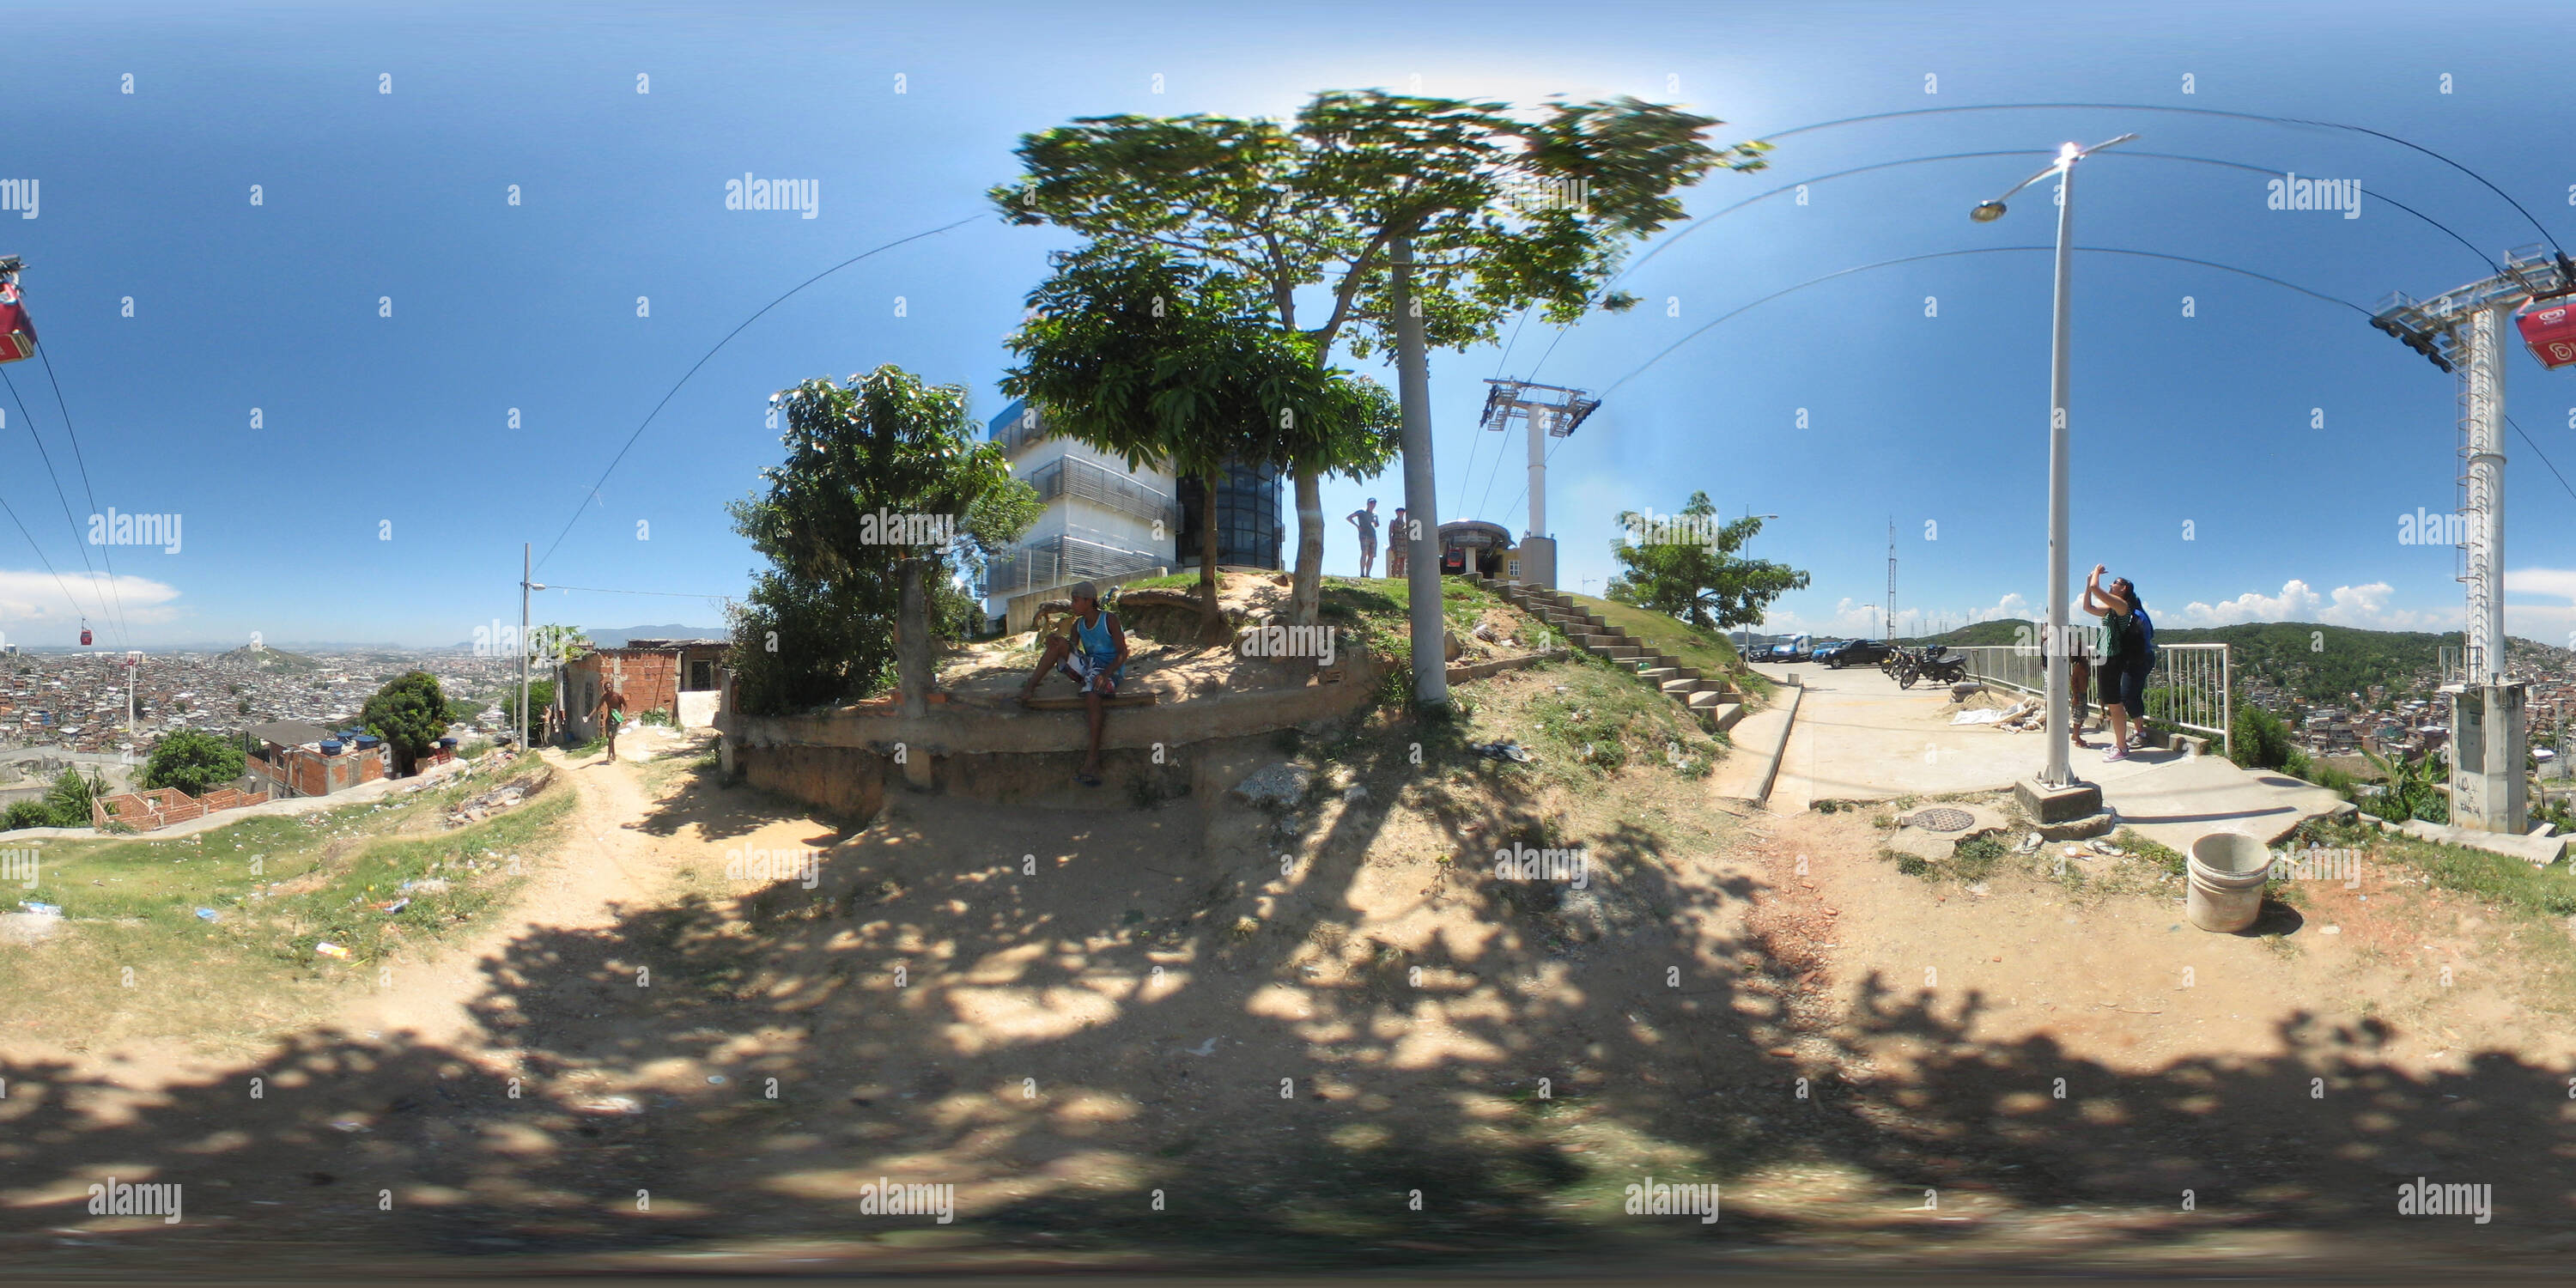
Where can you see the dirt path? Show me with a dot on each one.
(2125, 983)
(607, 864)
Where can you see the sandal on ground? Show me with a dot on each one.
(1087, 780)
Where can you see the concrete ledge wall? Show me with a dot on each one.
(845, 762)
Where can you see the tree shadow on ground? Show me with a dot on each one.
(1131, 1031)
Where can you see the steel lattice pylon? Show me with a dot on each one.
(2462, 332)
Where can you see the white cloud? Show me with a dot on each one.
(2556, 583)
(2363, 606)
(1853, 617)
(35, 599)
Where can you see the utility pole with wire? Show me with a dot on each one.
(1889, 632)
(527, 569)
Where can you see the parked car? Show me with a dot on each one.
(1788, 652)
(1855, 653)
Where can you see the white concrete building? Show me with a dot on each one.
(1102, 519)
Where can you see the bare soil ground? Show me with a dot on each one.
(1332, 1036)
(990, 672)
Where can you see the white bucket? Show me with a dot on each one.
(2228, 870)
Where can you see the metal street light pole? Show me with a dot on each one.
(2060, 772)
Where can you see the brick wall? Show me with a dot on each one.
(162, 806)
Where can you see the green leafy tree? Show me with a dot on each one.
(28, 814)
(1152, 358)
(2258, 739)
(1706, 584)
(541, 694)
(67, 802)
(1307, 213)
(557, 646)
(410, 714)
(193, 761)
(885, 497)
(2411, 789)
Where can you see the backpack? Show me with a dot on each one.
(2146, 636)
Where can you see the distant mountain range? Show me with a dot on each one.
(617, 636)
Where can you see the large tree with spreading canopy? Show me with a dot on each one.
(1503, 214)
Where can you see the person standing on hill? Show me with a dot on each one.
(2128, 654)
(1398, 538)
(1367, 521)
(612, 712)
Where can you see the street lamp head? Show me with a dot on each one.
(2067, 151)
(1987, 212)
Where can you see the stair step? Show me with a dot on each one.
(1681, 688)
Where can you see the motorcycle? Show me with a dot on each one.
(1938, 664)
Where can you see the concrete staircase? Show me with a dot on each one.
(1711, 701)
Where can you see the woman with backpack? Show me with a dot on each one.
(2128, 656)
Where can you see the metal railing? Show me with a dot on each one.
(2192, 687)
(1057, 561)
(1072, 476)
(1017, 434)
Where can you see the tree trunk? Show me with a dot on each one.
(1306, 593)
(912, 668)
(1212, 627)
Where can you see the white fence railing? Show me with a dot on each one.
(2191, 688)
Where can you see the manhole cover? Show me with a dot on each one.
(1941, 820)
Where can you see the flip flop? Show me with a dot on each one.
(1086, 780)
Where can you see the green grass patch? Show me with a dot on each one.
(1605, 721)
(1709, 652)
(2490, 878)
(2165, 857)
(276, 886)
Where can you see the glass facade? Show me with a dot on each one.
(1248, 527)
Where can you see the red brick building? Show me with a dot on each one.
(683, 677)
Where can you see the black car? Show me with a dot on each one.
(1855, 653)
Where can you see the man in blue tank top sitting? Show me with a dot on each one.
(1091, 649)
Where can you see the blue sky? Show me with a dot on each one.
(368, 196)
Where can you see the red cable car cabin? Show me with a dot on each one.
(17, 331)
(2551, 333)
(84, 635)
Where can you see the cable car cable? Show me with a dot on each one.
(1915, 259)
(12, 512)
(2189, 111)
(711, 353)
(59, 495)
(1707, 220)
(105, 554)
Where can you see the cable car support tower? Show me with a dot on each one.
(1559, 411)
(2462, 332)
